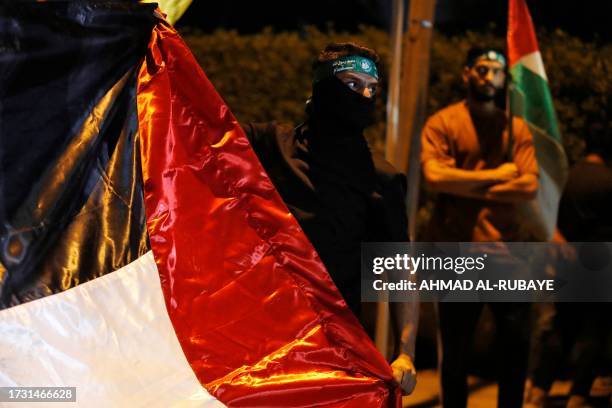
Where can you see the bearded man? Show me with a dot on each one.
(480, 172)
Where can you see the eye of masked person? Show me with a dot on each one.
(360, 83)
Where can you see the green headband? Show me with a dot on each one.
(347, 63)
(488, 55)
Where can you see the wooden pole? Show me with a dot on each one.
(393, 99)
(406, 108)
(413, 100)
(397, 30)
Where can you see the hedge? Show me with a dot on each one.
(266, 76)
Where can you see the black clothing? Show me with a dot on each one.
(578, 330)
(584, 212)
(584, 216)
(457, 328)
(340, 194)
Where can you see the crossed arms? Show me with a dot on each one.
(501, 184)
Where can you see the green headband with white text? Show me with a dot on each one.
(353, 63)
(488, 55)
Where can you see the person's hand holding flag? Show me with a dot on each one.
(404, 372)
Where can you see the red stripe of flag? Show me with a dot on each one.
(257, 315)
(521, 34)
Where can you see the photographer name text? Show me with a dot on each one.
(466, 285)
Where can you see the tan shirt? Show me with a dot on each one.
(451, 137)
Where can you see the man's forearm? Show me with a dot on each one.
(520, 189)
(481, 184)
(466, 183)
(405, 317)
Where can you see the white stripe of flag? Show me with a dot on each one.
(533, 62)
(111, 338)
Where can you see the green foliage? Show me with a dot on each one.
(266, 76)
(580, 78)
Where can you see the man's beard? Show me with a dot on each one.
(481, 95)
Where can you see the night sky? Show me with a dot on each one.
(586, 18)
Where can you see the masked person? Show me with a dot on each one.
(340, 193)
(480, 172)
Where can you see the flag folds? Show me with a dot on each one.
(131, 195)
(70, 208)
(530, 99)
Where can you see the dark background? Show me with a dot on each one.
(588, 19)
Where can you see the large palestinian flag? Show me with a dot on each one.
(146, 258)
(530, 99)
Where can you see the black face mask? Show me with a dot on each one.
(335, 103)
(338, 150)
